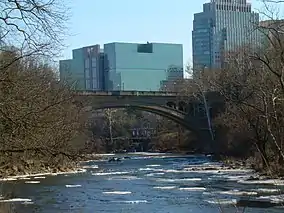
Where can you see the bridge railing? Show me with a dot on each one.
(126, 93)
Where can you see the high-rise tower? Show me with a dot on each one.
(222, 26)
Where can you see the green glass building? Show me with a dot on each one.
(85, 70)
(143, 67)
(123, 66)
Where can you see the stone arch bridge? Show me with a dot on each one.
(189, 112)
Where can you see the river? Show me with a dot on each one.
(147, 184)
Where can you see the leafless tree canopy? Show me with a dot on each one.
(252, 83)
(40, 124)
(34, 26)
(39, 119)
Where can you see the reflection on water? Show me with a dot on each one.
(160, 183)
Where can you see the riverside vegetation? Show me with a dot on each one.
(251, 128)
(39, 122)
(43, 129)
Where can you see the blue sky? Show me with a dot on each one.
(103, 21)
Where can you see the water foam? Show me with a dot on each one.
(192, 189)
(91, 167)
(117, 193)
(273, 198)
(136, 201)
(131, 201)
(16, 200)
(235, 177)
(109, 173)
(153, 165)
(73, 186)
(223, 202)
(237, 192)
(178, 180)
(268, 181)
(110, 154)
(174, 171)
(147, 153)
(188, 170)
(39, 177)
(32, 182)
(211, 168)
(25, 178)
(147, 169)
(154, 174)
(8, 179)
(28, 203)
(124, 178)
(164, 187)
(262, 190)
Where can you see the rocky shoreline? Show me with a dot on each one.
(31, 167)
(41, 174)
(259, 174)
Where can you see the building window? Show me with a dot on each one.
(95, 84)
(145, 48)
(94, 72)
(87, 73)
(88, 85)
(94, 62)
(87, 63)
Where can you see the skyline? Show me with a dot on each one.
(132, 22)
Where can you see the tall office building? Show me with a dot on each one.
(223, 26)
(143, 67)
(85, 71)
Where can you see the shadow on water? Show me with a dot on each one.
(258, 204)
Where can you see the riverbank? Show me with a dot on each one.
(226, 163)
(261, 174)
(29, 167)
(32, 167)
(41, 175)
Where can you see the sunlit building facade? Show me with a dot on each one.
(85, 71)
(222, 26)
(143, 67)
(123, 66)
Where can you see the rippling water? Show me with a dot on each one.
(148, 184)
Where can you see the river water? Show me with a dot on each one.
(148, 184)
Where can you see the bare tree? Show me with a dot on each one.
(38, 118)
(252, 86)
(33, 26)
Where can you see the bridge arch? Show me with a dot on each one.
(167, 112)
